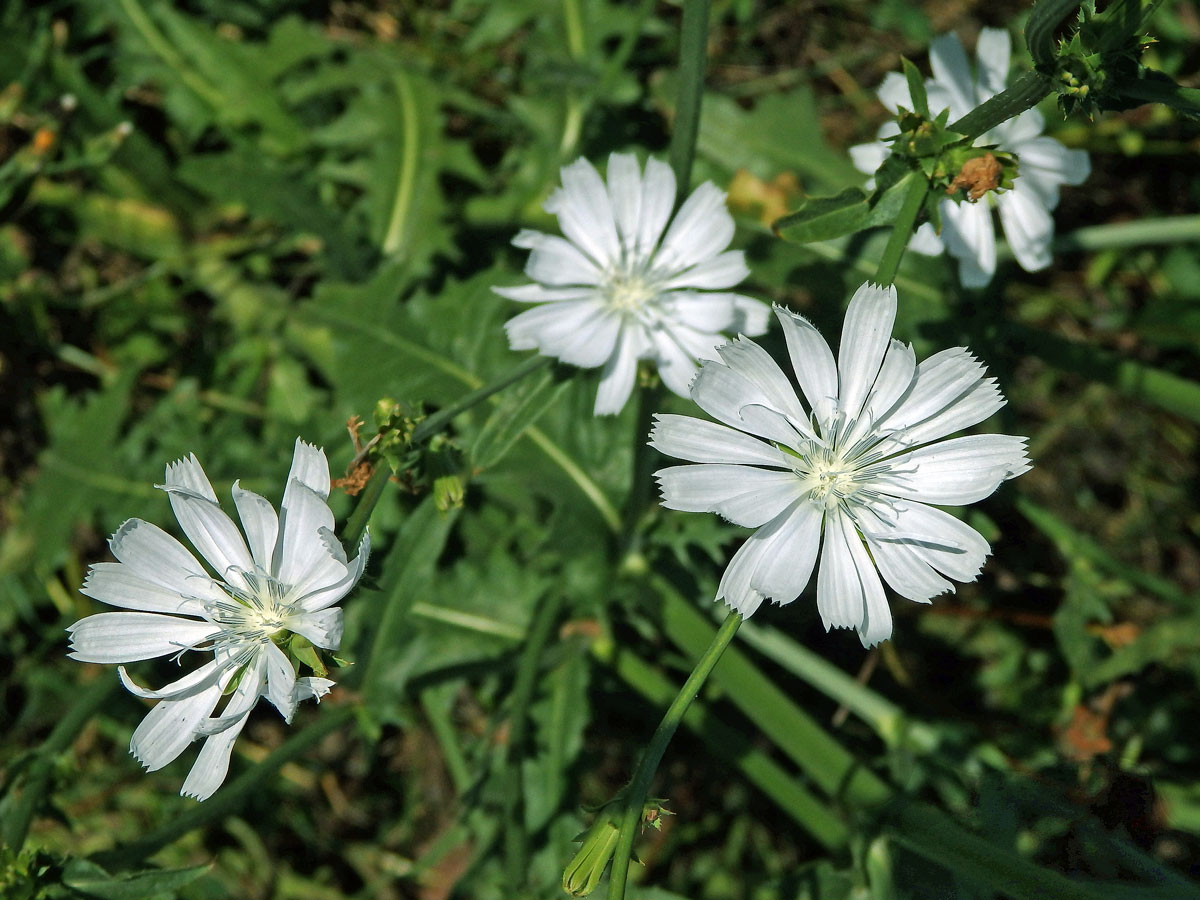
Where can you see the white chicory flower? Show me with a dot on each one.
(1044, 165)
(852, 477)
(281, 579)
(617, 289)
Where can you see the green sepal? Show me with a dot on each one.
(916, 88)
(302, 650)
(583, 873)
(234, 682)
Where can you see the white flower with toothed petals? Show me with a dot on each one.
(282, 579)
(852, 478)
(1044, 164)
(617, 289)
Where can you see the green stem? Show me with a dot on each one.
(902, 230)
(37, 779)
(735, 748)
(230, 798)
(356, 525)
(1024, 94)
(639, 787)
(516, 841)
(1185, 99)
(924, 829)
(440, 419)
(693, 49)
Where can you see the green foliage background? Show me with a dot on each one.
(226, 224)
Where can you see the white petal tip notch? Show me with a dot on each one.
(848, 487)
(626, 282)
(278, 576)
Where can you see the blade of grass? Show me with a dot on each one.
(885, 717)
(516, 841)
(922, 828)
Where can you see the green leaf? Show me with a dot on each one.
(823, 218)
(94, 882)
(519, 408)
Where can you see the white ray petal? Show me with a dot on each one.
(259, 522)
(197, 680)
(944, 542)
(721, 271)
(616, 380)
(658, 199)
(281, 681)
(813, 363)
(116, 585)
(537, 293)
(625, 195)
(992, 53)
(744, 495)
(585, 213)
(301, 554)
(707, 442)
(1027, 225)
(151, 554)
(955, 472)
(167, 729)
(323, 627)
(702, 228)
(207, 526)
(131, 636)
(866, 335)
(953, 73)
(970, 237)
(557, 262)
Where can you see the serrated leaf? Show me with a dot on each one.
(824, 218)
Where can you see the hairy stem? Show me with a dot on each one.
(902, 230)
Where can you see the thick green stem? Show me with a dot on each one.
(356, 525)
(37, 779)
(902, 230)
(693, 50)
(639, 787)
(516, 841)
(1024, 94)
(230, 798)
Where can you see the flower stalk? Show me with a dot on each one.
(639, 787)
(902, 229)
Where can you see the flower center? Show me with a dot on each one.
(832, 482)
(256, 612)
(628, 294)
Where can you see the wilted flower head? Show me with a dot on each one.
(617, 289)
(1044, 164)
(272, 591)
(852, 476)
